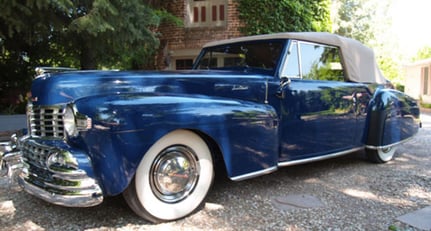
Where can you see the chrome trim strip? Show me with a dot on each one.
(44, 71)
(390, 145)
(254, 174)
(91, 198)
(317, 158)
(84, 186)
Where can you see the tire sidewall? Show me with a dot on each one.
(386, 156)
(172, 211)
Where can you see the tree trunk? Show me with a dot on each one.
(88, 57)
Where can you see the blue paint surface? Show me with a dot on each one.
(252, 119)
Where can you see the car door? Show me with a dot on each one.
(317, 106)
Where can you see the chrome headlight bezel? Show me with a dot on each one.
(69, 122)
(75, 122)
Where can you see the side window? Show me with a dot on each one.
(320, 62)
(291, 68)
(208, 62)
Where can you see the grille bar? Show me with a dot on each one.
(37, 153)
(46, 121)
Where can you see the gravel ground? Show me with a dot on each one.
(355, 195)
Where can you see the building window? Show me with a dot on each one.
(214, 13)
(425, 81)
(203, 13)
(221, 12)
(183, 64)
(195, 14)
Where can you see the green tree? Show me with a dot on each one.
(86, 34)
(423, 53)
(96, 33)
(354, 19)
(368, 21)
(268, 16)
(391, 69)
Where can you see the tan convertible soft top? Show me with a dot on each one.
(359, 60)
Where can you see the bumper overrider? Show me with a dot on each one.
(50, 170)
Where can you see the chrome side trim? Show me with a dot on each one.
(317, 158)
(390, 145)
(254, 174)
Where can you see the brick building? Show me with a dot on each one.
(204, 21)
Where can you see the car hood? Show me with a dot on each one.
(60, 88)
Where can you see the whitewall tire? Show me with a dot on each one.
(382, 155)
(172, 179)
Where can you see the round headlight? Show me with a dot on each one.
(69, 122)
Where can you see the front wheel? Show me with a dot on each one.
(381, 155)
(172, 179)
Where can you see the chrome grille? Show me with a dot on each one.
(46, 121)
(36, 153)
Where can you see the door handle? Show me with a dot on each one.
(284, 81)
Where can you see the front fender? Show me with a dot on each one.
(392, 117)
(125, 126)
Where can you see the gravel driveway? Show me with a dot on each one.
(353, 194)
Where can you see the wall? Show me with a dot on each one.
(414, 80)
(182, 43)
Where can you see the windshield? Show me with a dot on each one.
(261, 55)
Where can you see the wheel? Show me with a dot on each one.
(173, 178)
(381, 155)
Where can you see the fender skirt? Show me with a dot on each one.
(393, 117)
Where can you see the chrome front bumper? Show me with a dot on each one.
(11, 164)
(24, 165)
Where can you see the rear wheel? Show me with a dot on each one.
(172, 179)
(381, 155)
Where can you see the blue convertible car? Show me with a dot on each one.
(250, 105)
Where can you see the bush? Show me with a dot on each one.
(400, 87)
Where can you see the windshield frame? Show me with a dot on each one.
(244, 68)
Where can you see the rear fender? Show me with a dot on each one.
(125, 126)
(393, 117)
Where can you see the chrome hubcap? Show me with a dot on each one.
(386, 153)
(386, 150)
(174, 174)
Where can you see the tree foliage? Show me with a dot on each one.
(95, 33)
(423, 53)
(268, 16)
(355, 19)
(86, 34)
(367, 21)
